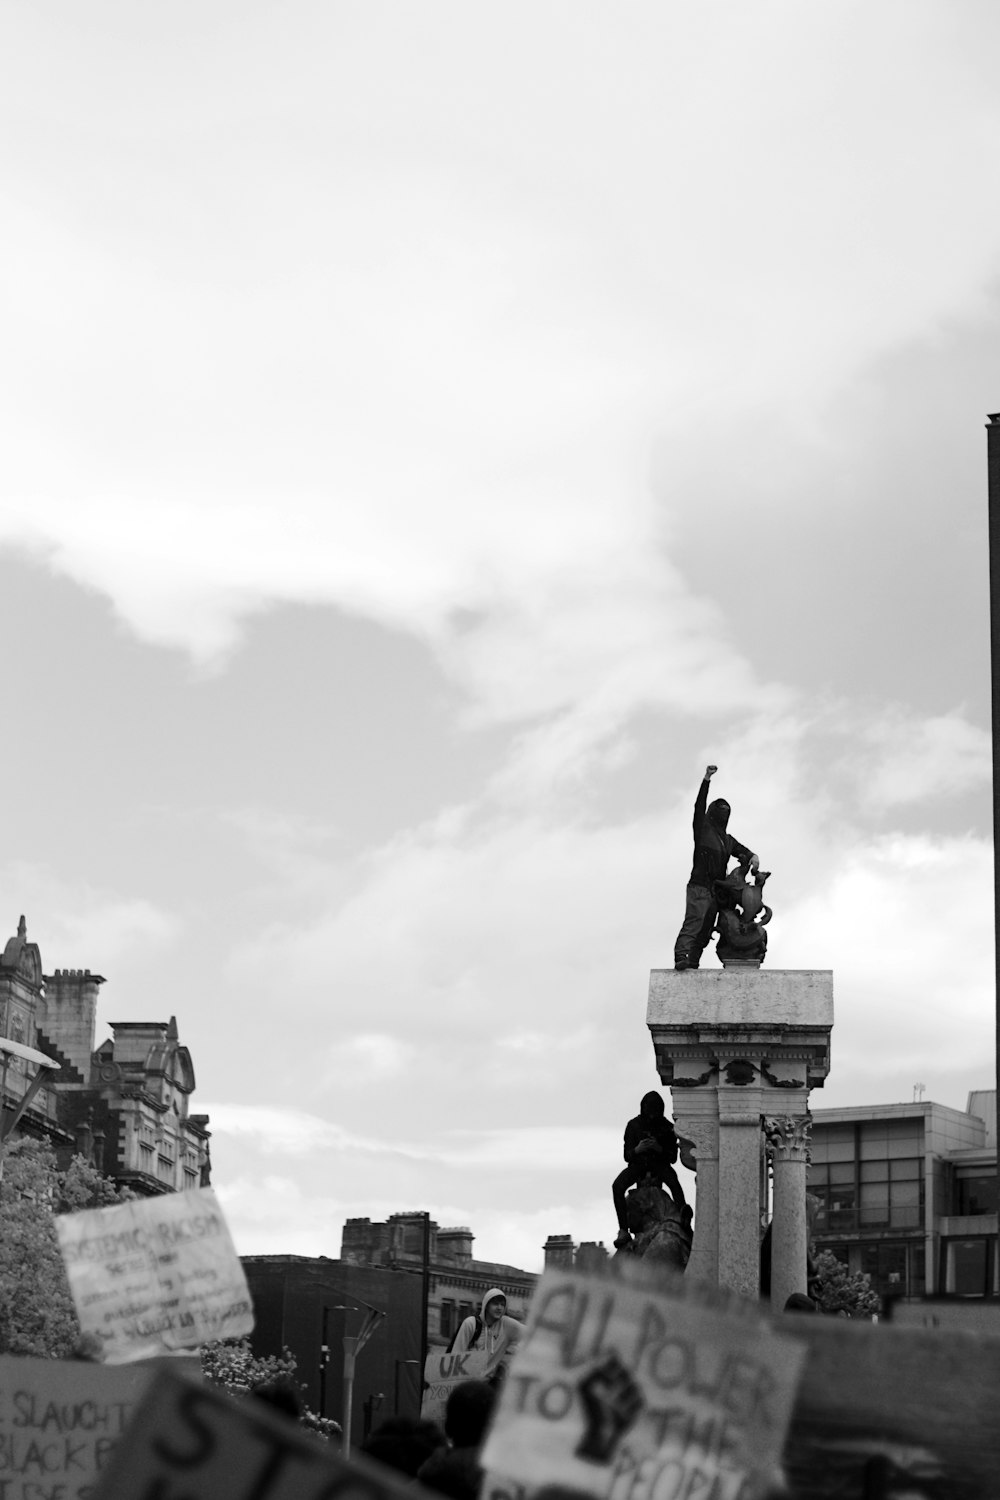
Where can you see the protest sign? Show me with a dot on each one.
(442, 1372)
(190, 1442)
(894, 1411)
(59, 1423)
(155, 1274)
(626, 1390)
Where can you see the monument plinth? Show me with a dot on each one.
(740, 1048)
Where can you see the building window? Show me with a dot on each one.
(896, 1270)
(976, 1195)
(447, 1325)
(968, 1266)
(869, 1194)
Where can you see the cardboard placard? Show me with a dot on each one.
(886, 1411)
(442, 1372)
(191, 1442)
(155, 1274)
(60, 1421)
(626, 1390)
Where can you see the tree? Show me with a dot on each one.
(36, 1310)
(841, 1290)
(232, 1365)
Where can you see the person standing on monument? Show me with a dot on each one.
(713, 849)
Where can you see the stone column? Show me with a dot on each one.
(696, 1117)
(740, 1145)
(733, 1045)
(788, 1138)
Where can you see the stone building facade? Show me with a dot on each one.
(456, 1281)
(123, 1105)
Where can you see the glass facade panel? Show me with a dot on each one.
(888, 1266)
(874, 1171)
(976, 1195)
(841, 1171)
(905, 1193)
(898, 1170)
(969, 1260)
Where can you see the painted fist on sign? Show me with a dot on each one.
(612, 1401)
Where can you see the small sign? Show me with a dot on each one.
(155, 1275)
(191, 1442)
(622, 1390)
(60, 1421)
(442, 1372)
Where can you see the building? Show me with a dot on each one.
(908, 1194)
(123, 1105)
(457, 1282)
(308, 1305)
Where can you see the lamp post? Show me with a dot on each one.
(353, 1345)
(46, 1066)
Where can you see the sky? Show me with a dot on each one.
(433, 432)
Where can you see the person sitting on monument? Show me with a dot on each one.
(650, 1151)
(713, 849)
(492, 1331)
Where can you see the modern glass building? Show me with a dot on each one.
(908, 1193)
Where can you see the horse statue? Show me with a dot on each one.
(661, 1232)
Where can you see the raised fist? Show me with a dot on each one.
(612, 1401)
(710, 772)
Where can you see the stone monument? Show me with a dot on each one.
(740, 1048)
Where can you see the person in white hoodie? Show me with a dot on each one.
(492, 1331)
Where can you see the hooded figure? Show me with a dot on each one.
(713, 849)
(650, 1151)
(498, 1336)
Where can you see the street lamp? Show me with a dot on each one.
(353, 1345)
(46, 1066)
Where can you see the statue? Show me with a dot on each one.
(713, 849)
(662, 1232)
(742, 917)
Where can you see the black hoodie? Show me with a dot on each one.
(713, 846)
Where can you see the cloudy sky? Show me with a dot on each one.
(432, 432)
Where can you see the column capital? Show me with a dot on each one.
(788, 1136)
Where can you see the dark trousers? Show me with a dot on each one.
(661, 1170)
(699, 919)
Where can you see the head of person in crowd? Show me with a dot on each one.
(800, 1303)
(456, 1471)
(468, 1413)
(404, 1443)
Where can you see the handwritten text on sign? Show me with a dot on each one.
(160, 1273)
(626, 1392)
(442, 1372)
(59, 1423)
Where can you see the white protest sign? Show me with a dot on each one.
(60, 1420)
(155, 1274)
(627, 1392)
(442, 1372)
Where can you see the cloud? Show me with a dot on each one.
(920, 760)
(74, 922)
